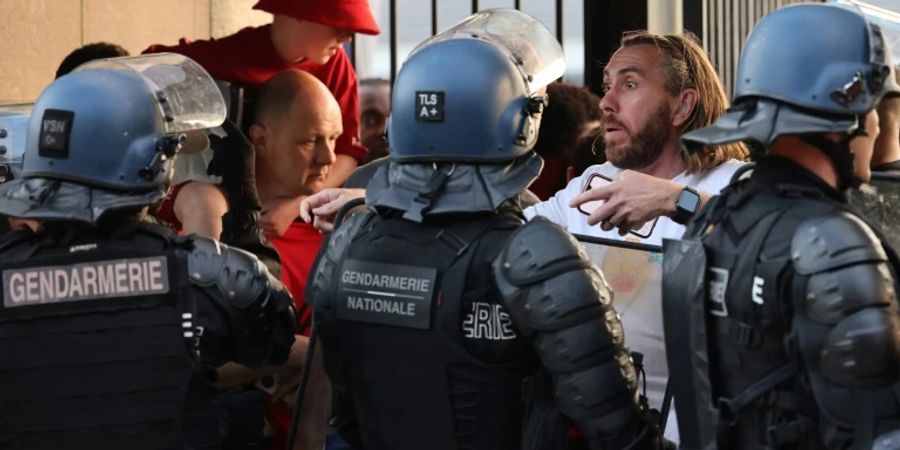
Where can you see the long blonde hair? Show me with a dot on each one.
(686, 66)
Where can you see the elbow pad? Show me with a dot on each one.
(560, 301)
(259, 309)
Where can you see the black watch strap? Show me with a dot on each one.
(686, 205)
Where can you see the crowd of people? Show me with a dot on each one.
(323, 262)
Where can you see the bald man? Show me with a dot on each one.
(297, 122)
(296, 125)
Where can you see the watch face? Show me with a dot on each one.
(688, 201)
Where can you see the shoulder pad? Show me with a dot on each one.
(834, 240)
(319, 287)
(538, 250)
(344, 234)
(238, 275)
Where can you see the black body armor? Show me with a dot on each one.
(105, 333)
(781, 319)
(430, 331)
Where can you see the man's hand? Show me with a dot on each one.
(631, 200)
(321, 207)
(279, 214)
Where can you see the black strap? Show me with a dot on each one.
(730, 408)
(301, 389)
(666, 405)
(313, 335)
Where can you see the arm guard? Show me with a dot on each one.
(560, 301)
(846, 323)
(258, 309)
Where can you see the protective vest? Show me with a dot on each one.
(428, 356)
(93, 345)
(729, 287)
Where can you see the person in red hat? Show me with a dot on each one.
(304, 34)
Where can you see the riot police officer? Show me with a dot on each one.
(780, 304)
(109, 323)
(438, 309)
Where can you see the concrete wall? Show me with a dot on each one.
(35, 35)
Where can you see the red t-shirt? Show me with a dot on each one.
(298, 248)
(248, 59)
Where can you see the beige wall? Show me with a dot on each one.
(35, 35)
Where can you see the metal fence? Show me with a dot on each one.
(398, 17)
(723, 26)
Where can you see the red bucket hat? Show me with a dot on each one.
(353, 15)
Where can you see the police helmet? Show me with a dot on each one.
(104, 136)
(808, 68)
(474, 92)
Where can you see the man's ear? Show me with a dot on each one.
(259, 136)
(684, 111)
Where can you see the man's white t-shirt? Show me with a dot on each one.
(557, 207)
(642, 323)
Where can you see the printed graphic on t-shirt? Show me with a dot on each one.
(488, 321)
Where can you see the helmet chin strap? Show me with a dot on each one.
(839, 152)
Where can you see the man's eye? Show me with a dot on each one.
(372, 119)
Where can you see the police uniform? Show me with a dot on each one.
(110, 327)
(801, 311)
(452, 335)
(106, 332)
(779, 303)
(447, 323)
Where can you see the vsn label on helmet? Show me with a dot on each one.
(53, 140)
(386, 294)
(430, 106)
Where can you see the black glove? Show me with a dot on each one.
(235, 161)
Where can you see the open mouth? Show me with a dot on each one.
(611, 130)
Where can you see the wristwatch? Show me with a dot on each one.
(686, 205)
